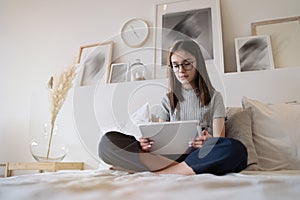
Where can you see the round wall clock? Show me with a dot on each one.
(135, 32)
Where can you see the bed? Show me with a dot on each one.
(271, 133)
(108, 184)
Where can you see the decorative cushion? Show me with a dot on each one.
(141, 115)
(238, 126)
(276, 134)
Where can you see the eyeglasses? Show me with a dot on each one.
(186, 65)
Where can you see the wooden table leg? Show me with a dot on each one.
(7, 171)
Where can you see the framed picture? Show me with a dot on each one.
(94, 59)
(285, 38)
(253, 53)
(118, 73)
(192, 19)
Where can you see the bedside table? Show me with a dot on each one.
(42, 166)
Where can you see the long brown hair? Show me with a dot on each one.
(202, 79)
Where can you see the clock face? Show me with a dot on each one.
(135, 32)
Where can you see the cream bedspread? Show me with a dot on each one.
(108, 184)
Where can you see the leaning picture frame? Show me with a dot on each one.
(253, 53)
(191, 19)
(118, 73)
(285, 38)
(94, 61)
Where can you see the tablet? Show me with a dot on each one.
(170, 137)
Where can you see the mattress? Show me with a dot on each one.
(112, 184)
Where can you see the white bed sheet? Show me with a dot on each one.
(109, 184)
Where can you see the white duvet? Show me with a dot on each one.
(108, 184)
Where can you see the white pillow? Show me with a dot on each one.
(142, 114)
(276, 134)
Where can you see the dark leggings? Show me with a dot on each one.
(217, 156)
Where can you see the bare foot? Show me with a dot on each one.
(180, 168)
(155, 162)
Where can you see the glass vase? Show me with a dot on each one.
(137, 71)
(48, 147)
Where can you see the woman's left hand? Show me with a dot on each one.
(200, 140)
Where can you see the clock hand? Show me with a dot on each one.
(134, 31)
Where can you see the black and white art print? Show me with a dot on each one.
(118, 73)
(253, 53)
(94, 62)
(193, 19)
(193, 24)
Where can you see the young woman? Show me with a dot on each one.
(191, 97)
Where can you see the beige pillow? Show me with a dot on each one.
(276, 134)
(238, 126)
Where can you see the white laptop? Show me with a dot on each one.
(170, 137)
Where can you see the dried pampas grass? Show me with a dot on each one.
(59, 87)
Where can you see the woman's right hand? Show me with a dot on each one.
(146, 144)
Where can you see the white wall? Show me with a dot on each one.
(39, 38)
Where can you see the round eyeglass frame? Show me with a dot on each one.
(186, 67)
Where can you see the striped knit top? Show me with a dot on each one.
(190, 109)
